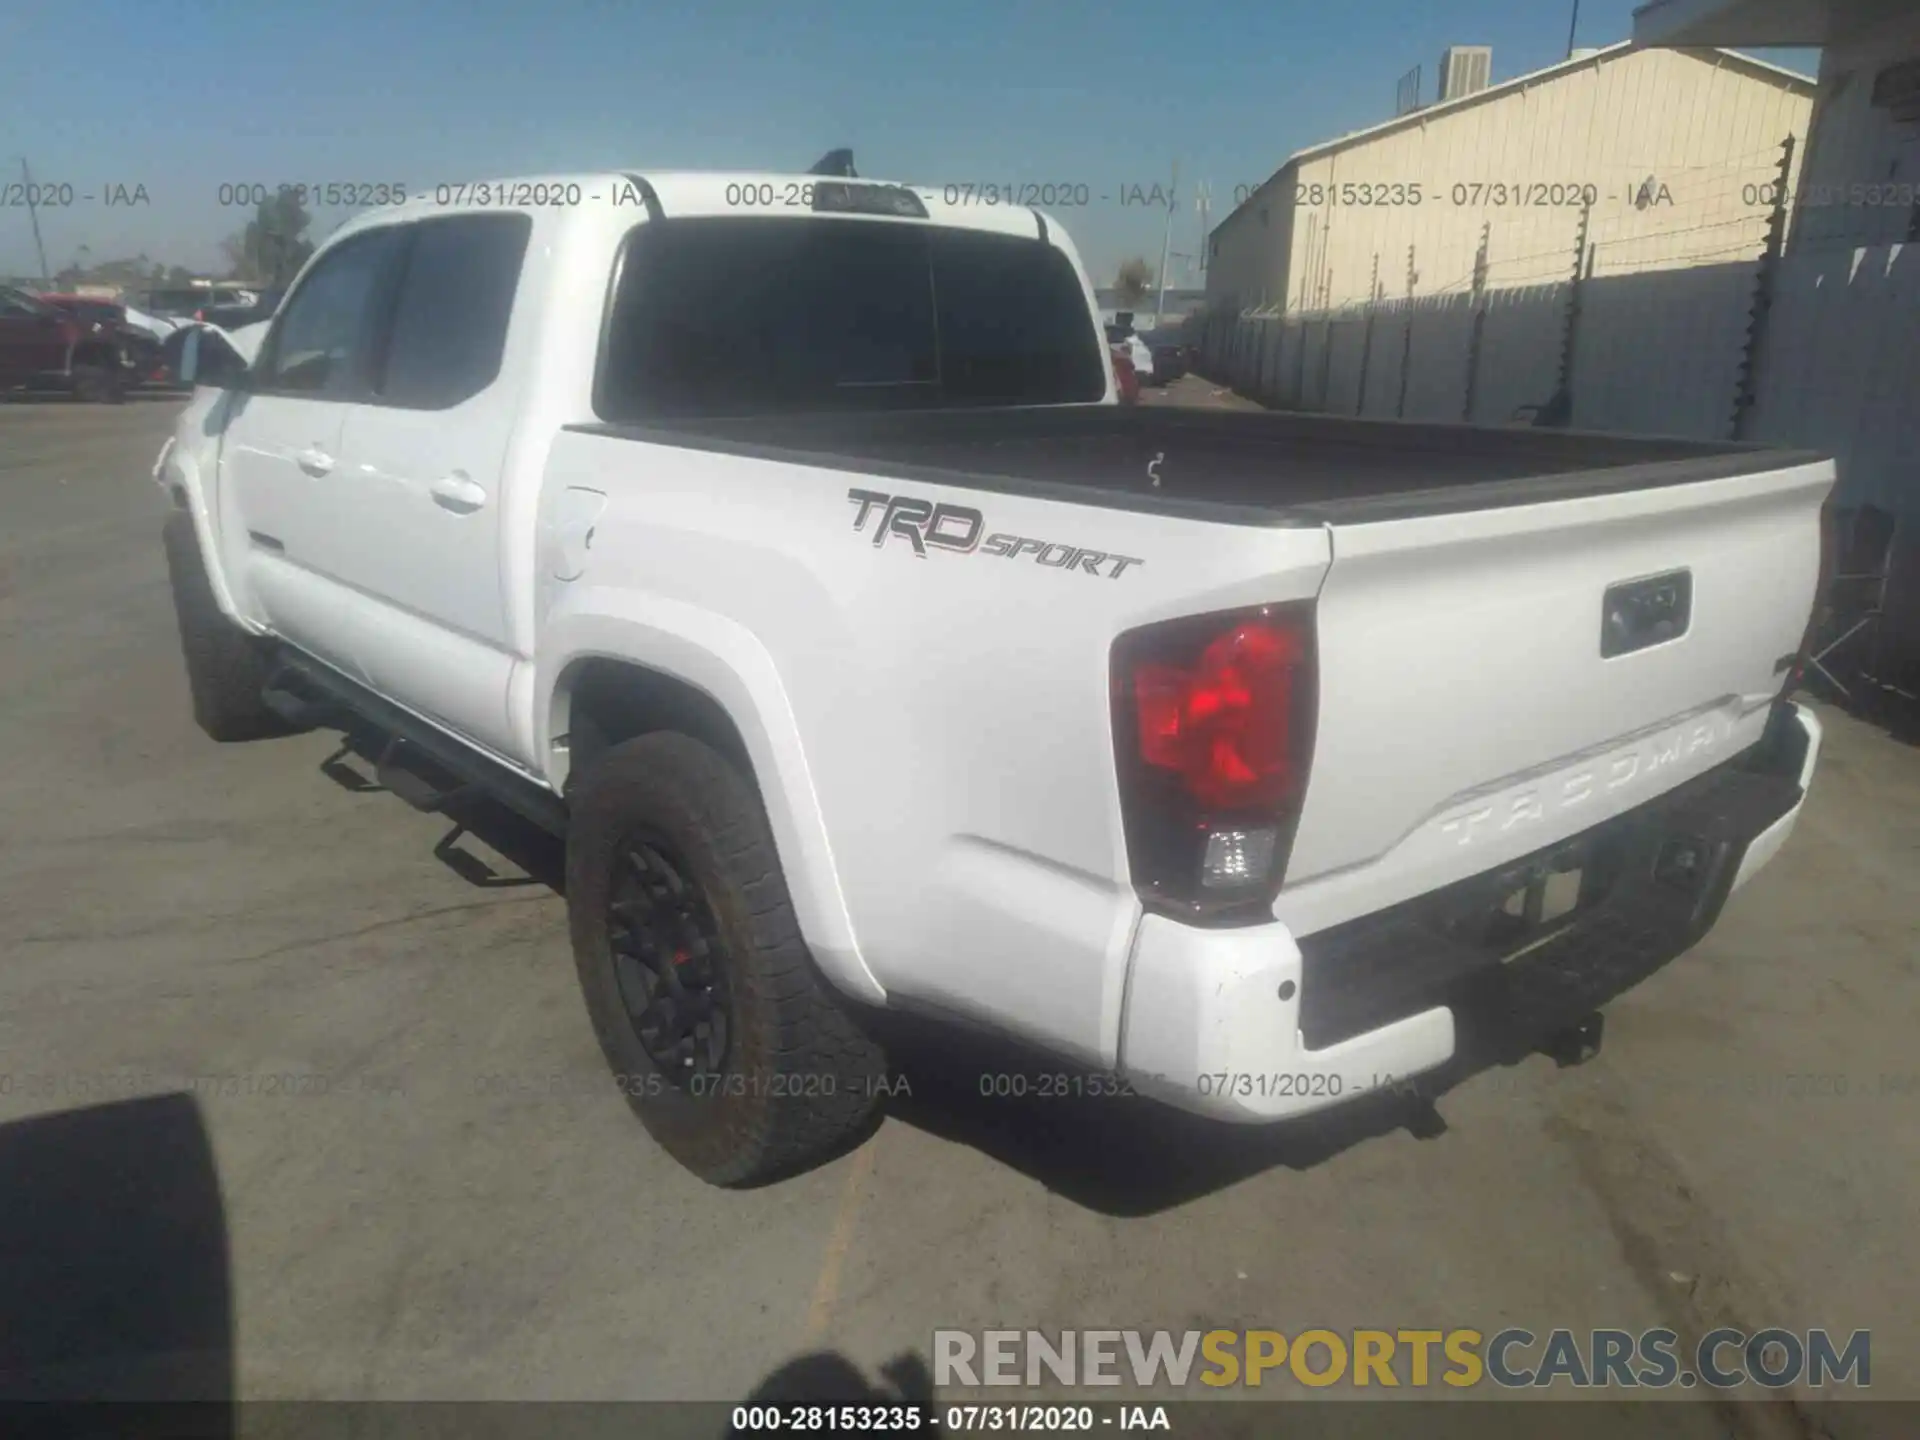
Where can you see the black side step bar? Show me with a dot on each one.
(402, 773)
(309, 692)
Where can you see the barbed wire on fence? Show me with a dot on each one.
(1724, 200)
(1680, 230)
(1517, 334)
(1591, 361)
(1508, 248)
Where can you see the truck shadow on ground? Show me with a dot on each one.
(1114, 1153)
(1121, 1154)
(118, 1318)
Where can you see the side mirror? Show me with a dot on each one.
(206, 357)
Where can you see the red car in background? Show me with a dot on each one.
(44, 346)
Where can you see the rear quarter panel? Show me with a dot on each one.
(931, 733)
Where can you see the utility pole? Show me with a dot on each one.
(26, 178)
(1203, 195)
(1166, 243)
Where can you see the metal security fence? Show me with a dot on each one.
(1594, 321)
(1610, 348)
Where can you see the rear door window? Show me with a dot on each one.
(749, 315)
(450, 318)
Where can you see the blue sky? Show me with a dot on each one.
(1108, 95)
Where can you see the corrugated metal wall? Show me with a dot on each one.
(1705, 132)
(1657, 352)
(1248, 252)
(1841, 371)
(1511, 172)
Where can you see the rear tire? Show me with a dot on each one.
(226, 667)
(729, 1045)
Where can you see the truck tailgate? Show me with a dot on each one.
(1474, 704)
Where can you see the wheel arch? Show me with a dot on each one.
(608, 676)
(186, 484)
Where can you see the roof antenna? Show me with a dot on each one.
(835, 162)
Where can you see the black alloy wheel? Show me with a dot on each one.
(724, 1038)
(668, 962)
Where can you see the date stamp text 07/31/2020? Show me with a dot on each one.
(1062, 194)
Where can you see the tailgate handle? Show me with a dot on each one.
(1636, 614)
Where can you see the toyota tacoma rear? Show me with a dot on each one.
(777, 541)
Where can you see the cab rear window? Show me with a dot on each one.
(752, 315)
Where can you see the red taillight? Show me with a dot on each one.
(1213, 725)
(1224, 726)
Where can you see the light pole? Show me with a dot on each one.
(1166, 242)
(1203, 196)
(26, 177)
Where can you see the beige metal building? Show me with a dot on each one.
(1671, 154)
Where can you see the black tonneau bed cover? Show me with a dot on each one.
(1242, 466)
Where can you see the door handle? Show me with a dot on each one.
(315, 461)
(457, 493)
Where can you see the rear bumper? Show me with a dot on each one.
(1764, 846)
(1252, 1025)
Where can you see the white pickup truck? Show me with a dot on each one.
(777, 541)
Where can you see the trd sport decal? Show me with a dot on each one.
(958, 527)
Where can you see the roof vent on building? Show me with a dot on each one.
(1583, 52)
(1465, 70)
(1406, 93)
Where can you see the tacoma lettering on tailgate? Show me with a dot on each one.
(1553, 798)
(923, 523)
